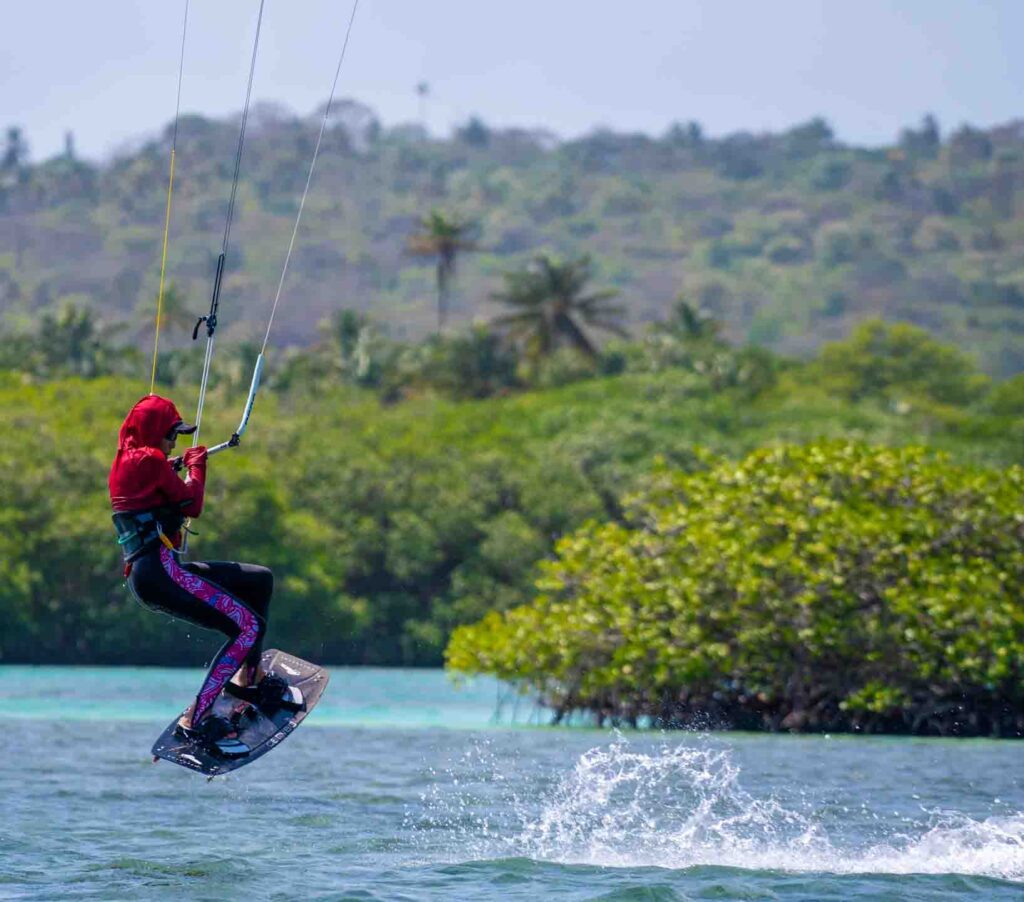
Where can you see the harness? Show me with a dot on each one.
(140, 531)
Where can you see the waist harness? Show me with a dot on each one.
(139, 531)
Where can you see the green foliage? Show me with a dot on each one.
(389, 525)
(562, 366)
(899, 362)
(785, 250)
(691, 340)
(356, 351)
(475, 364)
(839, 245)
(969, 145)
(923, 142)
(1007, 398)
(474, 133)
(823, 587)
(69, 340)
(808, 139)
(831, 174)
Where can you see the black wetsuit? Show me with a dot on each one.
(225, 596)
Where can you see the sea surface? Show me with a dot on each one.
(403, 786)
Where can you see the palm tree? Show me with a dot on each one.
(551, 306)
(443, 237)
(72, 339)
(15, 153)
(689, 323)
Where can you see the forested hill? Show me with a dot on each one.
(788, 239)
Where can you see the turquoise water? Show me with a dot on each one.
(400, 786)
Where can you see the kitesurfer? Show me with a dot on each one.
(151, 503)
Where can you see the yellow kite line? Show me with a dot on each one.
(167, 215)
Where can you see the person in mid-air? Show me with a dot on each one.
(151, 503)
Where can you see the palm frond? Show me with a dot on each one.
(576, 336)
(547, 302)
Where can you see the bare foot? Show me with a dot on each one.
(186, 719)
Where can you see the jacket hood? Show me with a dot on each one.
(147, 423)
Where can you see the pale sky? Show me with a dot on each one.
(107, 69)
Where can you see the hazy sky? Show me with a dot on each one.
(107, 69)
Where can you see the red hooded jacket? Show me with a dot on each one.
(141, 477)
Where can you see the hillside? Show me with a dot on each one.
(788, 239)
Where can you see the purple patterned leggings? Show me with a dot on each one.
(221, 595)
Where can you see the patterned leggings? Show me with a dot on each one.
(220, 595)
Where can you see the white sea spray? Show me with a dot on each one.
(683, 804)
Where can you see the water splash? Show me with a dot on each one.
(957, 844)
(683, 806)
(624, 808)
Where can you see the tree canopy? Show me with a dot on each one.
(833, 586)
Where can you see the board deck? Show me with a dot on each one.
(262, 733)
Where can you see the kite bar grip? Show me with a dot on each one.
(232, 442)
(257, 374)
(178, 462)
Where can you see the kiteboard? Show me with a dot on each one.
(261, 731)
